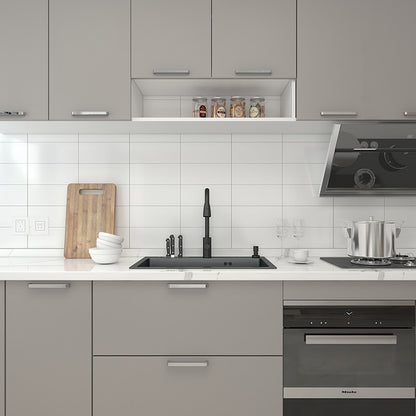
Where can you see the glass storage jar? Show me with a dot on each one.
(237, 107)
(218, 107)
(200, 107)
(257, 107)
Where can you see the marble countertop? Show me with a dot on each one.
(58, 268)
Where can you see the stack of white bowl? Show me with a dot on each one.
(108, 248)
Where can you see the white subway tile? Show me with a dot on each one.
(13, 174)
(304, 195)
(146, 174)
(151, 237)
(103, 153)
(256, 194)
(312, 238)
(45, 174)
(153, 138)
(13, 194)
(47, 194)
(359, 200)
(312, 216)
(154, 216)
(345, 214)
(249, 237)
(194, 194)
(124, 232)
(53, 152)
(305, 152)
(10, 240)
(13, 138)
(123, 195)
(192, 238)
(303, 174)
(55, 239)
(208, 138)
(192, 216)
(53, 138)
(267, 174)
(122, 219)
(7, 213)
(55, 214)
(155, 194)
(13, 152)
(219, 174)
(405, 200)
(103, 173)
(306, 138)
(155, 152)
(403, 215)
(245, 217)
(104, 138)
(257, 153)
(340, 239)
(406, 243)
(256, 137)
(206, 153)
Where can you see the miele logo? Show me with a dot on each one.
(349, 391)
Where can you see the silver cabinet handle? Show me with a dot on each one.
(89, 113)
(187, 364)
(12, 113)
(253, 72)
(48, 285)
(336, 339)
(409, 113)
(339, 114)
(187, 285)
(171, 72)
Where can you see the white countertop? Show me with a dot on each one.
(58, 268)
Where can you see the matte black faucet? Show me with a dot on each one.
(206, 241)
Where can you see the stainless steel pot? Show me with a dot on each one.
(372, 239)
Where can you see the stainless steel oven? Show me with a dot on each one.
(349, 358)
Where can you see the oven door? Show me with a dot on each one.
(349, 358)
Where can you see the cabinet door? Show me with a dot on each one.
(171, 38)
(254, 38)
(188, 386)
(89, 59)
(24, 59)
(356, 59)
(2, 378)
(48, 349)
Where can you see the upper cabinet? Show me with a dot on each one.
(254, 38)
(171, 38)
(356, 59)
(89, 59)
(24, 60)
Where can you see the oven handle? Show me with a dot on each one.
(376, 339)
(349, 393)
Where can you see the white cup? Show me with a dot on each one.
(300, 255)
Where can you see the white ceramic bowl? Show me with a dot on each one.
(111, 238)
(106, 244)
(104, 255)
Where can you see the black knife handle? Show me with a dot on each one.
(180, 246)
(172, 245)
(167, 247)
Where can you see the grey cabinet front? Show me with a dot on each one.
(187, 386)
(356, 59)
(89, 59)
(48, 349)
(171, 38)
(2, 378)
(187, 318)
(24, 60)
(254, 39)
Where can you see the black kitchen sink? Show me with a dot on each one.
(203, 263)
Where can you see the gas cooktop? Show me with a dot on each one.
(402, 262)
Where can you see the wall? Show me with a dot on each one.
(256, 181)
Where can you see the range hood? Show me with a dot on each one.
(370, 158)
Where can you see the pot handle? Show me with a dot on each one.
(398, 231)
(348, 232)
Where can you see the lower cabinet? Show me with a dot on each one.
(48, 349)
(187, 386)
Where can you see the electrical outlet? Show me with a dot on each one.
(39, 226)
(20, 225)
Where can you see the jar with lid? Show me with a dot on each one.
(218, 107)
(200, 107)
(257, 107)
(238, 107)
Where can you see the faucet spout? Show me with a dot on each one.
(206, 241)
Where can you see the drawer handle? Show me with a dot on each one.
(89, 113)
(188, 285)
(339, 114)
(378, 339)
(48, 285)
(12, 113)
(171, 72)
(253, 72)
(409, 113)
(187, 364)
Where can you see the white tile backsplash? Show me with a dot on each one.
(256, 182)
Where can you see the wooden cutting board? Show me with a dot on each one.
(90, 208)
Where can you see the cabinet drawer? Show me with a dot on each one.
(227, 318)
(222, 386)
